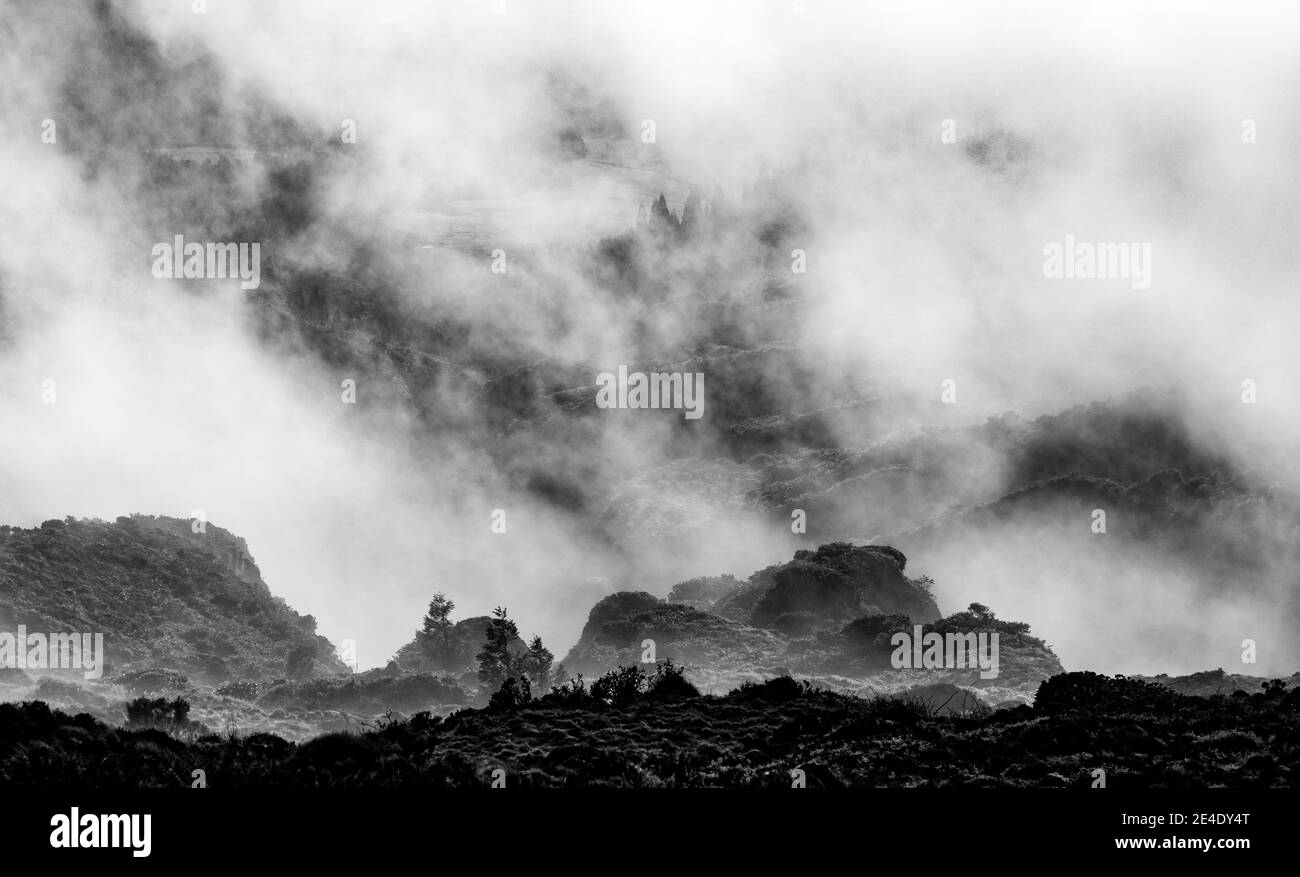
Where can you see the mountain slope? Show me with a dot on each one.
(162, 595)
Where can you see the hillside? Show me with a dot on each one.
(162, 595)
(188, 615)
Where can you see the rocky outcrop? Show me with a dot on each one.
(714, 649)
(835, 584)
(806, 616)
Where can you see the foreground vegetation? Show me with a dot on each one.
(630, 729)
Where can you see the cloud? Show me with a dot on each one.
(1119, 123)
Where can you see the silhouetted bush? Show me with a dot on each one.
(1275, 688)
(571, 694)
(1092, 692)
(778, 690)
(620, 687)
(513, 693)
(158, 712)
(668, 682)
(424, 721)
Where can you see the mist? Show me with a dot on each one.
(924, 264)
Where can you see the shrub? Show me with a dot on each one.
(668, 682)
(1092, 692)
(978, 617)
(620, 687)
(571, 694)
(158, 712)
(778, 690)
(424, 722)
(513, 693)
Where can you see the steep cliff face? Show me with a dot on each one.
(162, 594)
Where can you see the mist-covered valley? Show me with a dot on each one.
(834, 217)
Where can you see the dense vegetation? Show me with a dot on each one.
(163, 595)
(628, 729)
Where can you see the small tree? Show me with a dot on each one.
(435, 637)
(621, 686)
(537, 664)
(668, 682)
(926, 584)
(512, 693)
(662, 222)
(690, 216)
(572, 692)
(495, 663)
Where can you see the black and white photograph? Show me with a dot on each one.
(458, 398)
